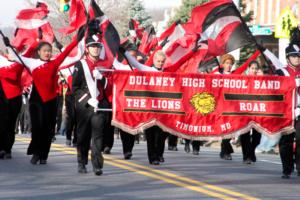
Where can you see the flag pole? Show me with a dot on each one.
(12, 48)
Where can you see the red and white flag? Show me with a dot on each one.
(32, 26)
(77, 17)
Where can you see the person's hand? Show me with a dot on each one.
(97, 74)
(6, 41)
(93, 102)
(122, 50)
(261, 47)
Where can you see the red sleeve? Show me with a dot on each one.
(61, 57)
(12, 73)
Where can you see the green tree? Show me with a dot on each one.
(137, 12)
(183, 13)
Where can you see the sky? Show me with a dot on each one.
(10, 8)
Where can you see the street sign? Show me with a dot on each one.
(285, 23)
(258, 30)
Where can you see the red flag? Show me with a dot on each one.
(77, 17)
(135, 30)
(149, 41)
(219, 22)
(166, 39)
(110, 36)
(179, 48)
(32, 25)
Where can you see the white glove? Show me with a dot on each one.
(93, 102)
(97, 74)
(297, 112)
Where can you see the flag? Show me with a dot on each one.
(149, 40)
(135, 30)
(110, 36)
(77, 17)
(219, 22)
(171, 34)
(32, 26)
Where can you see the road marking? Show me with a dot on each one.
(273, 162)
(163, 175)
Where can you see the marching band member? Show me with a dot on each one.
(155, 136)
(286, 141)
(42, 102)
(10, 103)
(227, 61)
(250, 140)
(90, 122)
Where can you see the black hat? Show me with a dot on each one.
(92, 40)
(292, 50)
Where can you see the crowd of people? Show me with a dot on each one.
(90, 127)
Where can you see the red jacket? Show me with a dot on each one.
(45, 76)
(10, 79)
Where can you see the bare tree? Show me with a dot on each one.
(116, 10)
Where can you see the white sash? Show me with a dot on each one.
(94, 92)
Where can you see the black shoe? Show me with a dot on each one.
(298, 173)
(53, 139)
(106, 150)
(154, 162)
(2, 153)
(286, 176)
(170, 148)
(161, 159)
(127, 155)
(187, 148)
(7, 156)
(43, 162)
(175, 149)
(82, 169)
(34, 159)
(195, 152)
(227, 157)
(248, 161)
(98, 172)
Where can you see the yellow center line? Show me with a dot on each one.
(180, 181)
(186, 179)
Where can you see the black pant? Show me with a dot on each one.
(286, 150)
(90, 132)
(249, 144)
(24, 117)
(60, 103)
(127, 141)
(70, 119)
(155, 142)
(226, 147)
(195, 144)
(43, 117)
(108, 140)
(9, 110)
(172, 140)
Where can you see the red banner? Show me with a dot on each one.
(199, 106)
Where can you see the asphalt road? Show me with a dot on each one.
(182, 176)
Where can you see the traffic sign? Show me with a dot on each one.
(258, 30)
(285, 23)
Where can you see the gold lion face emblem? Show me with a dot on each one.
(203, 103)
